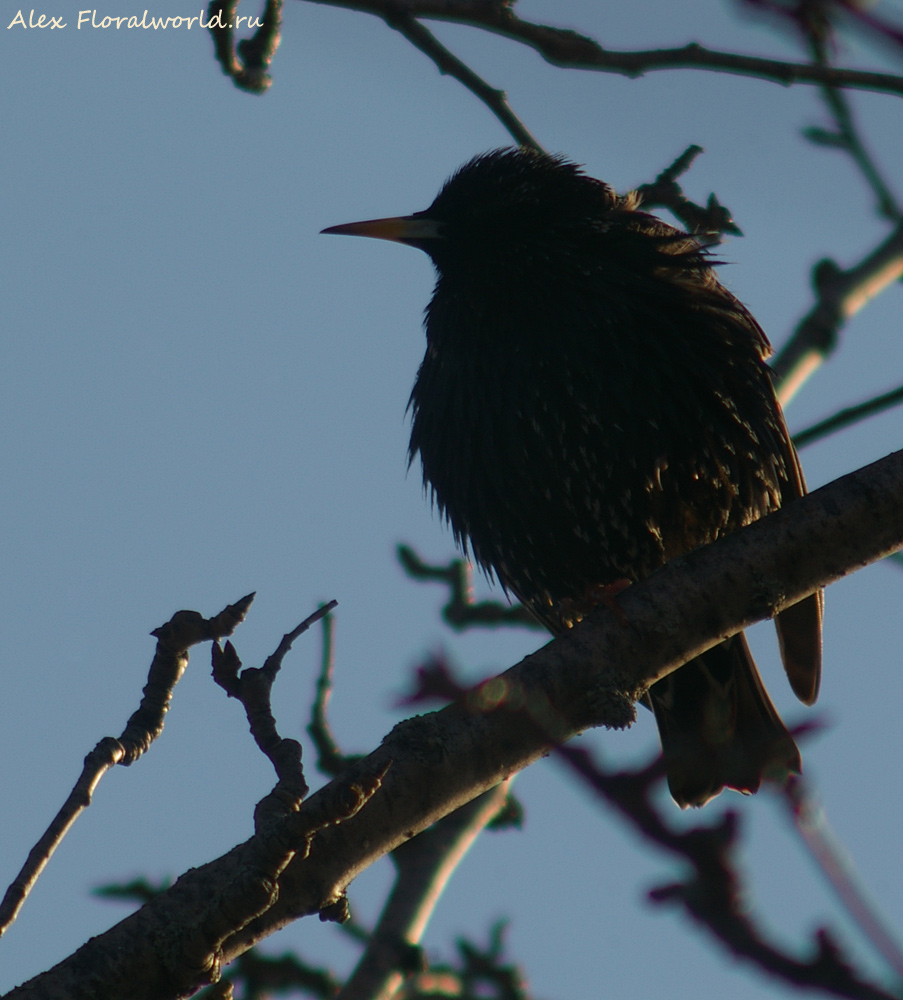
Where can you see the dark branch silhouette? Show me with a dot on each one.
(183, 630)
(300, 863)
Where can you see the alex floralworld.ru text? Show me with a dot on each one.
(89, 19)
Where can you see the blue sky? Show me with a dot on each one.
(201, 397)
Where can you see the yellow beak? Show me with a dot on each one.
(401, 229)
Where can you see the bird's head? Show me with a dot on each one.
(499, 205)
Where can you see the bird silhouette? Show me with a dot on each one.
(593, 402)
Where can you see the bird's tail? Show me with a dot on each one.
(718, 726)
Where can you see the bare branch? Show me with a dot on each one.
(262, 976)
(330, 759)
(566, 48)
(425, 864)
(847, 138)
(253, 688)
(841, 294)
(183, 630)
(823, 17)
(461, 611)
(447, 62)
(708, 224)
(848, 416)
(712, 894)
(248, 62)
(812, 825)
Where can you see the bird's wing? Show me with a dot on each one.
(799, 627)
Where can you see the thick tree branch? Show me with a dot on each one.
(430, 765)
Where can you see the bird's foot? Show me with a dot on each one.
(572, 609)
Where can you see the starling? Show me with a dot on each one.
(592, 403)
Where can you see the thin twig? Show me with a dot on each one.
(262, 975)
(847, 137)
(496, 100)
(330, 759)
(461, 611)
(812, 825)
(848, 416)
(274, 660)
(481, 971)
(879, 28)
(707, 223)
(253, 687)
